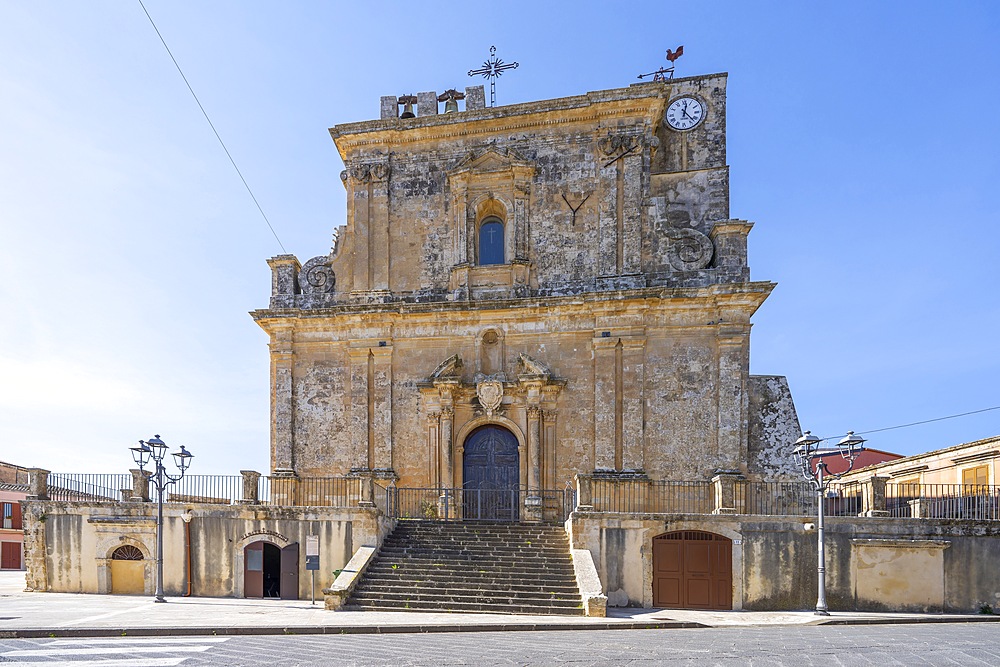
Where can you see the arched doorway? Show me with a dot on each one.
(491, 475)
(271, 572)
(692, 569)
(128, 571)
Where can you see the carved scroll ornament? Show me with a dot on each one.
(316, 276)
(375, 172)
(618, 144)
(689, 249)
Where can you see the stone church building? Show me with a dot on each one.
(528, 292)
(536, 315)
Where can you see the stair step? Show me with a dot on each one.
(471, 567)
(466, 607)
(467, 598)
(443, 588)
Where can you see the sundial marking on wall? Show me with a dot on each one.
(492, 68)
(578, 206)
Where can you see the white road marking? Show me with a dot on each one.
(138, 640)
(100, 616)
(143, 662)
(102, 650)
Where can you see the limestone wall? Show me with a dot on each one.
(69, 544)
(873, 564)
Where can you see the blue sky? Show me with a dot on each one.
(863, 142)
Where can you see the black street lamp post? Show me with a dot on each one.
(156, 449)
(807, 450)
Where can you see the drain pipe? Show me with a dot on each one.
(187, 516)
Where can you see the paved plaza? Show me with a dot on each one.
(117, 631)
(910, 644)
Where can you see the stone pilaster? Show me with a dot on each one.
(734, 365)
(604, 403)
(534, 449)
(282, 402)
(633, 404)
(381, 415)
(447, 447)
(358, 423)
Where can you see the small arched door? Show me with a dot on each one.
(491, 472)
(128, 571)
(692, 569)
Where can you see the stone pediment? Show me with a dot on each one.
(491, 160)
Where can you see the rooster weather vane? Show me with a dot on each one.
(658, 75)
(491, 69)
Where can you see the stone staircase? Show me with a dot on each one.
(471, 566)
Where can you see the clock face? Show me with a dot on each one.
(684, 113)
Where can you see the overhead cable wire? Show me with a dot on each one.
(925, 421)
(212, 125)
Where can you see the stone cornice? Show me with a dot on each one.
(642, 101)
(739, 295)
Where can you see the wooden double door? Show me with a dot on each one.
(270, 571)
(491, 472)
(692, 569)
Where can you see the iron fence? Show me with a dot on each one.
(310, 491)
(977, 502)
(660, 496)
(502, 505)
(215, 489)
(88, 486)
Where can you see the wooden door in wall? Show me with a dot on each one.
(289, 586)
(10, 555)
(491, 472)
(692, 569)
(253, 570)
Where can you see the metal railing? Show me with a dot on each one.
(977, 502)
(311, 491)
(340, 492)
(660, 496)
(87, 486)
(501, 505)
(215, 489)
(630, 496)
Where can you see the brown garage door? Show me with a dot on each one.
(692, 569)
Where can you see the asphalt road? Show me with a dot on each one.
(917, 644)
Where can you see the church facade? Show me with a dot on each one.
(525, 293)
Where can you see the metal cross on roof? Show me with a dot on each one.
(491, 69)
